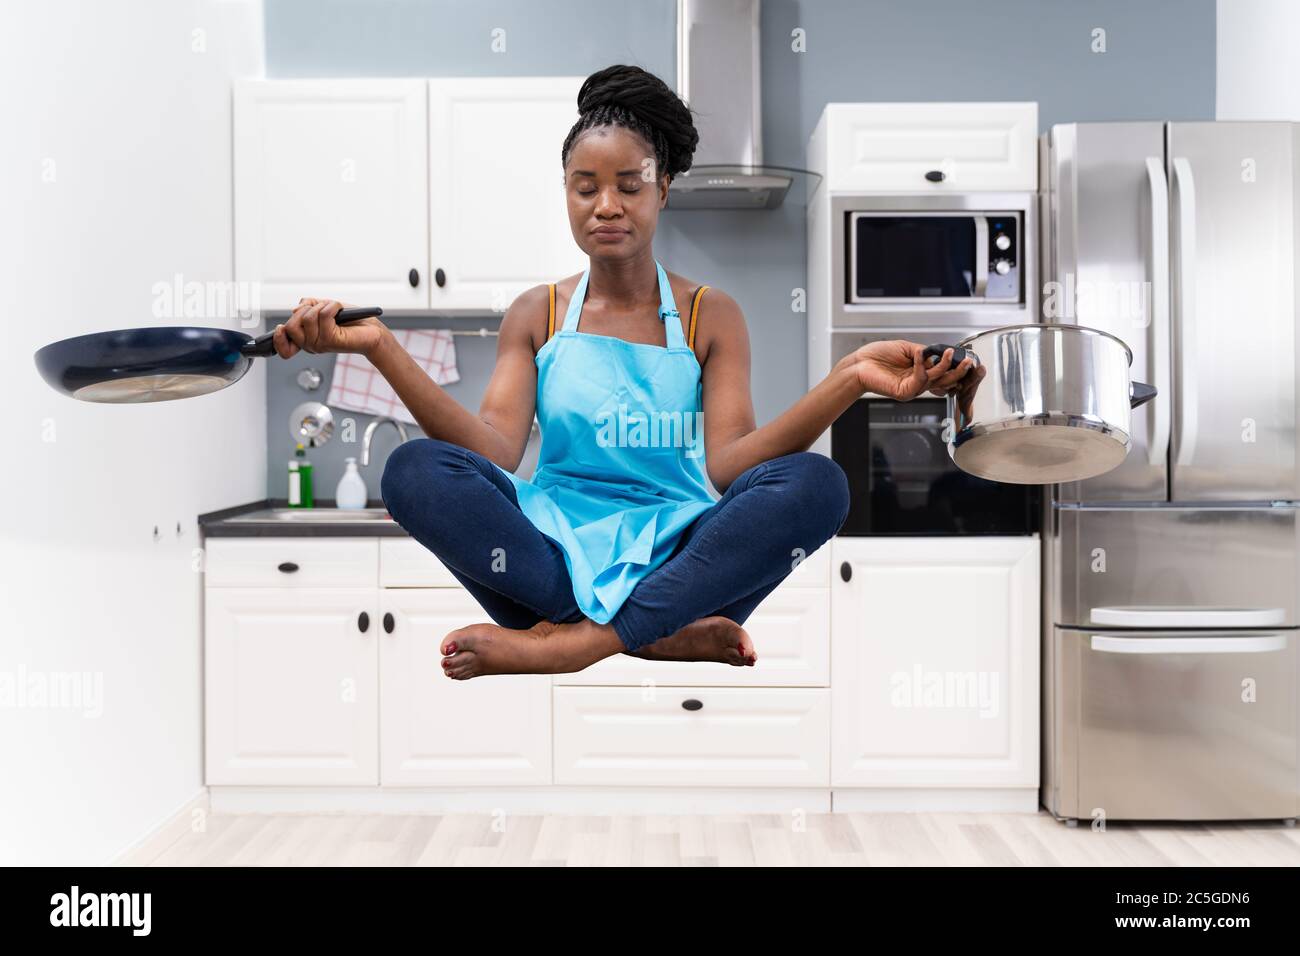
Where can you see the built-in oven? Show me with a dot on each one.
(964, 259)
(902, 481)
(901, 478)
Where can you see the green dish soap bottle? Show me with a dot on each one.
(300, 495)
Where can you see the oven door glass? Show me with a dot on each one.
(913, 257)
(902, 481)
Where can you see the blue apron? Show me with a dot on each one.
(621, 470)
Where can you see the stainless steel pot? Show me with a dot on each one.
(1042, 404)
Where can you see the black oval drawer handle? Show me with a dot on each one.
(692, 704)
(389, 623)
(935, 176)
(846, 571)
(363, 622)
(413, 277)
(288, 567)
(440, 277)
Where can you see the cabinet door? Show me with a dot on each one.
(291, 686)
(441, 732)
(331, 191)
(934, 662)
(498, 219)
(899, 147)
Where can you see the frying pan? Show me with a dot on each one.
(157, 364)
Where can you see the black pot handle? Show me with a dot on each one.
(1139, 393)
(935, 352)
(264, 347)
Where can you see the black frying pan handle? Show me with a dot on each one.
(958, 353)
(264, 347)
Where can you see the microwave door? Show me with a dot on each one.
(1233, 204)
(1108, 244)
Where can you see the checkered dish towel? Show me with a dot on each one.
(357, 386)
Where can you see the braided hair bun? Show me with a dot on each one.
(630, 97)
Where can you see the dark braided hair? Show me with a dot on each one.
(630, 97)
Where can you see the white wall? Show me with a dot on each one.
(114, 176)
(1258, 70)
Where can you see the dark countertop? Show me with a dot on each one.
(216, 524)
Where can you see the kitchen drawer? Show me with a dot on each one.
(791, 633)
(735, 737)
(890, 147)
(405, 563)
(1180, 725)
(291, 562)
(1177, 566)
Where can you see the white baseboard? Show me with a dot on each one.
(616, 800)
(563, 800)
(149, 846)
(971, 800)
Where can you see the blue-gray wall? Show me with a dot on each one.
(1158, 64)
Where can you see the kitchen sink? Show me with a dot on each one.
(315, 515)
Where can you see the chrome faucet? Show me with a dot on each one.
(370, 433)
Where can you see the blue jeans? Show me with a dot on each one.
(458, 505)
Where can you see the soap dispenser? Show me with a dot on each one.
(300, 492)
(351, 492)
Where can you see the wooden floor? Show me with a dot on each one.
(844, 839)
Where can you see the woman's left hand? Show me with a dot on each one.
(895, 368)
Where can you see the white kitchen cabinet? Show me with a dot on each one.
(408, 194)
(923, 148)
(498, 221)
(934, 673)
(291, 678)
(681, 737)
(439, 732)
(314, 675)
(331, 191)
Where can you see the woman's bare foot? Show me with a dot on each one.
(717, 639)
(544, 648)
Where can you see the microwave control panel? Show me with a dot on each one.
(1003, 257)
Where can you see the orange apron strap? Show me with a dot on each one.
(695, 312)
(550, 316)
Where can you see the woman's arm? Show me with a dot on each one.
(732, 443)
(499, 431)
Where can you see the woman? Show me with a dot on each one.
(616, 545)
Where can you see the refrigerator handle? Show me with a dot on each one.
(1186, 310)
(1262, 644)
(1158, 446)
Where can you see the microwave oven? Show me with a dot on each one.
(966, 259)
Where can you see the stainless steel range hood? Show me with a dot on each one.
(718, 76)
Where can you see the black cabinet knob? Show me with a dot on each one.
(440, 277)
(846, 571)
(413, 277)
(389, 623)
(692, 704)
(363, 622)
(935, 176)
(288, 567)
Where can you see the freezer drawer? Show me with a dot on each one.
(1170, 725)
(1170, 567)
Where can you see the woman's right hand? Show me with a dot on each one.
(311, 328)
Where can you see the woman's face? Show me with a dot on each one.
(614, 192)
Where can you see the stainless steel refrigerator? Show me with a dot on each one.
(1169, 612)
